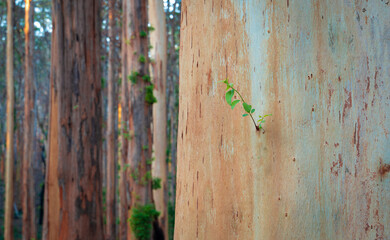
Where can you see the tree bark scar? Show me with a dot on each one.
(384, 169)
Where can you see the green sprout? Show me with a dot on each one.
(156, 183)
(230, 90)
(146, 78)
(149, 96)
(141, 220)
(133, 77)
(142, 58)
(142, 34)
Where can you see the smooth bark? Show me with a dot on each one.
(9, 158)
(158, 41)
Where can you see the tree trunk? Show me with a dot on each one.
(321, 169)
(73, 182)
(9, 158)
(111, 140)
(123, 125)
(158, 41)
(135, 68)
(28, 193)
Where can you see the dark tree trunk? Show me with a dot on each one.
(111, 140)
(29, 229)
(73, 183)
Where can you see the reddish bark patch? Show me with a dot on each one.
(209, 80)
(384, 169)
(347, 103)
(336, 166)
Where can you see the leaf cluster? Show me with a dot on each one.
(133, 77)
(230, 93)
(142, 58)
(149, 96)
(141, 221)
(156, 183)
(142, 34)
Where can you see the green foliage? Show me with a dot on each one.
(103, 82)
(142, 58)
(262, 119)
(143, 34)
(126, 166)
(230, 91)
(156, 183)
(146, 178)
(151, 28)
(133, 77)
(171, 219)
(146, 78)
(149, 96)
(135, 174)
(150, 160)
(141, 221)
(145, 147)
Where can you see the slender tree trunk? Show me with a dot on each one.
(123, 125)
(74, 189)
(111, 140)
(29, 230)
(158, 41)
(173, 77)
(140, 100)
(8, 231)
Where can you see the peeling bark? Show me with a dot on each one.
(73, 183)
(138, 116)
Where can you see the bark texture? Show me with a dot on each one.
(28, 203)
(320, 170)
(9, 157)
(111, 140)
(137, 112)
(73, 182)
(158, 40)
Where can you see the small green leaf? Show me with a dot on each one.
(247, 107)
(253, 110)
(224, 81)
(234, 103)
(228, 96)
(244, 115)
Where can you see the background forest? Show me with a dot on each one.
(30, 168)
(94, 145)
